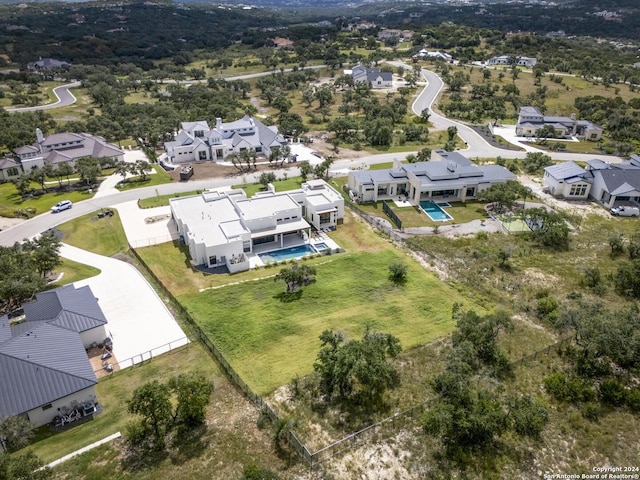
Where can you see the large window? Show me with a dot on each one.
(267, 239)
(578, 190)
(13, 171)
(325, 218)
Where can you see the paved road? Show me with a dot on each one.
(477, 147)
(63, 94)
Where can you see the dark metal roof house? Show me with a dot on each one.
(43, 359)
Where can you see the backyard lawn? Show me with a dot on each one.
(260, 334)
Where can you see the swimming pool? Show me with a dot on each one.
(287, 253)
(435, 211)
(320, 246)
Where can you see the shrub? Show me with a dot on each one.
(569, 388)
(633, 400)
(611, 391)
(547, 309)
(592, 411)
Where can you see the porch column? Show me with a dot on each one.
(281, 240)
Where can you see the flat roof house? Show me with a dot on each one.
(225, 228)
(196, 141)
(448, 175)
(44, 368)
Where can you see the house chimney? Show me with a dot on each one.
(218, 123)
(39, 135)
(573, 116)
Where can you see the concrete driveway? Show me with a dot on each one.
(146, 226)
(140, 324)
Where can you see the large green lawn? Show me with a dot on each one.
(158, 178)
(11, 202)
(269, 341)
(104, 236)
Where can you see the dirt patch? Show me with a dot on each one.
(383, 460)
(206, 170)
(582, 208)
(538, 279)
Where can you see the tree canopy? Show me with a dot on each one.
(358, 371)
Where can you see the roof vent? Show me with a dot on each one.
(451, 166)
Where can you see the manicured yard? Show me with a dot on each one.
(104, 236)
(260, 334)
(163, 200)
(157, 178)
(269, 341)
(72, 272)
(11, 201)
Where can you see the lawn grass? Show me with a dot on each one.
(140, 97)
(11, 201)
(260, 334)
(113, 392)
(104, 236)
(282, 185)
(73, 272)
(163, 200)
(158, 178)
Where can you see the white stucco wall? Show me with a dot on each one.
(39, 417)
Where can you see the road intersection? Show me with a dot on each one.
(476, 147)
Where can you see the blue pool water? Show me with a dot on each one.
(320, 246)
(434, 211)
(286, 253)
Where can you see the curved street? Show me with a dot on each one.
(476, 147)
(62, 93)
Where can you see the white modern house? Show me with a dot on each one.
(436, 55)
(197, 142)
(223, 228)
(373, 76)
(513, 60)
(44, 367)
(447, 176)
(567, 180)
(531, 120)
(64, 148)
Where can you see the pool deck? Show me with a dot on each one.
(293, 241)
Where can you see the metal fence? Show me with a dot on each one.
(409, 417)
(380, 430)
(144, 356)
(150, 241)
(391, 214)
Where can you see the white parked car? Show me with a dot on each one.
(625, 211)
(60, 206)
